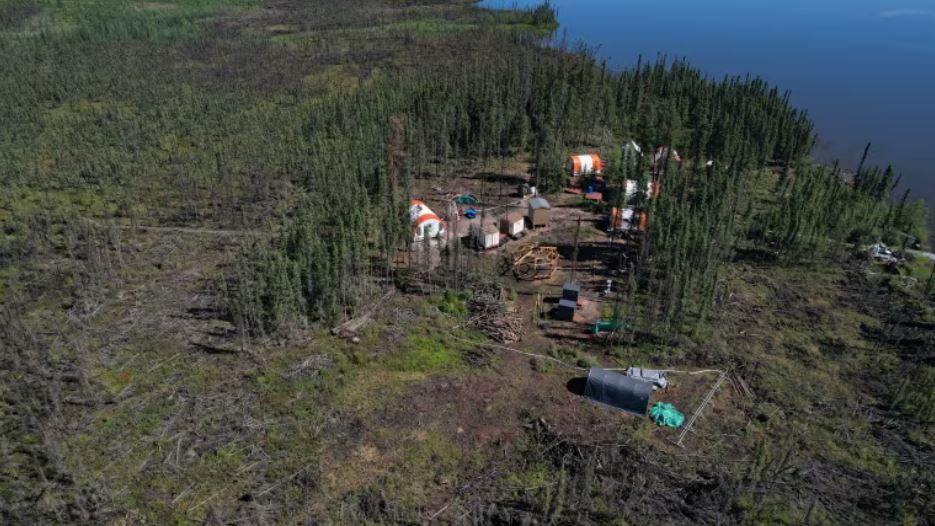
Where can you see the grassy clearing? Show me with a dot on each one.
(433, 345)
(427, 354)
(109, 20)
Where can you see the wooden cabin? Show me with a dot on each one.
(539, 211)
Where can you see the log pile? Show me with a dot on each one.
(490, 316)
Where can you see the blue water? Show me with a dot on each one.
(864, 69)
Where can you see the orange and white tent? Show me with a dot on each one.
(425, 223)
(585, 164)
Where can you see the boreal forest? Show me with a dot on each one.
(214, 309)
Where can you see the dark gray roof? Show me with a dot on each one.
(572, 286)
(567, 303)
(539, 202)
(616, 390)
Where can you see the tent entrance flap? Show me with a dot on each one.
(619, 391)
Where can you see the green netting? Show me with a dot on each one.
(666, 415)
(467, 199)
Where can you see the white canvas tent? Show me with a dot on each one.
(425, 223)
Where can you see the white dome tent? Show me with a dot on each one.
(425, 223)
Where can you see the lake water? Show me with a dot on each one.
(864, 69)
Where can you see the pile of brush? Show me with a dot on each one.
(490, 316)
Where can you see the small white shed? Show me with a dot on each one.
(489, 237)
(512, 224)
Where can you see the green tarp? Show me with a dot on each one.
(608, 325)
(666, 415)
(466, 199)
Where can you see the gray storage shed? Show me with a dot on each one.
(619, 391)
(539, 210)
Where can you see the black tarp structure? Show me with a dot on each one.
(565, 310)
(571, 291)
(619, 391)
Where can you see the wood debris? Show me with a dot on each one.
(490, 316)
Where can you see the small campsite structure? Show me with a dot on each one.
(630, 189)
(584, 164)
(631, 151)
(618, 391)
(661, 156)
(621, 219)
(662, 152)
(512, 224)
(539, 210)
(631, 217)
(627, 219)
(425, 223)
(634, 186)
(487, 236)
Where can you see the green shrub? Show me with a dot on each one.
(454, 302)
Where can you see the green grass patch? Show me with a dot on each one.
(427, 354)
(366, 389)
(109, 20)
